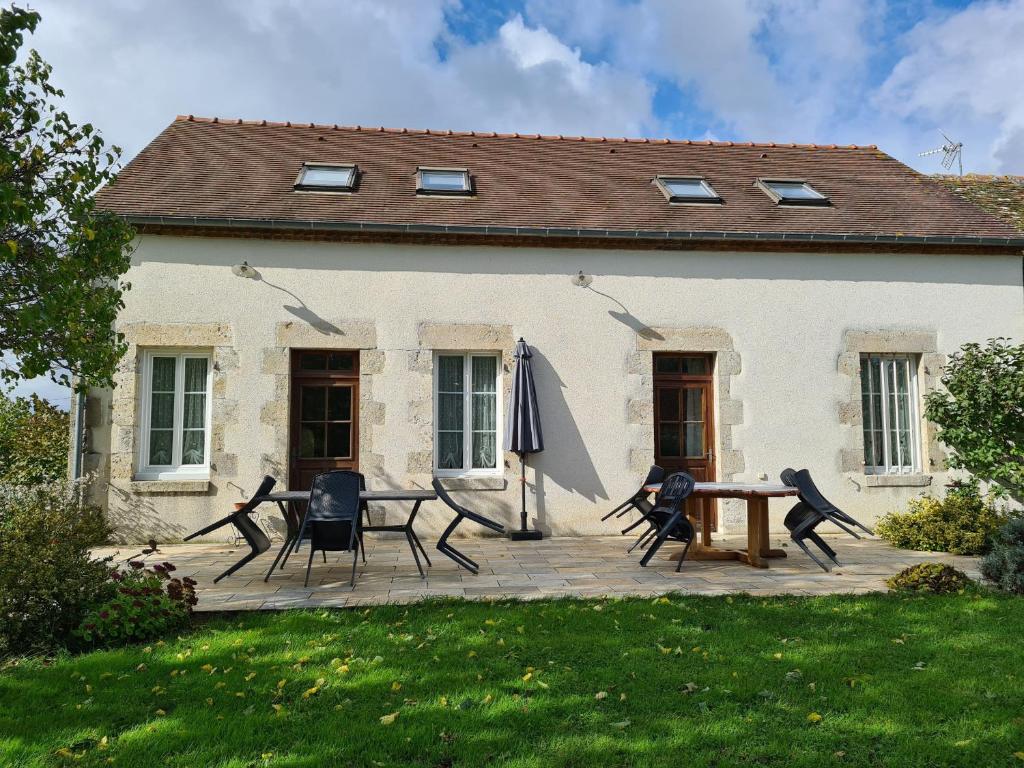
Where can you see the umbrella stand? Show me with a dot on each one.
(524, 533)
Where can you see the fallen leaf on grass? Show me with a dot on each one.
(601, 695)
(388, 719)
(814, 717)
(621, 724)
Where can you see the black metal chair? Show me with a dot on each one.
(812, 510)
(334, 516)
(669, 515)
(461, 513)
(640, 499)
(257, 540)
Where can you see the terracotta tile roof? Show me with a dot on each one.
(208, 171)
(1002, 196)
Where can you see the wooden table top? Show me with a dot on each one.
(397, 494)
(735, 490)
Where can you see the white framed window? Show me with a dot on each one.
(892, 434)
(792, 192)
(327, 177)
(467, 413)
(687, 189)
(174, 415)
(443, 181)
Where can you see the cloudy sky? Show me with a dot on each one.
(886, 72)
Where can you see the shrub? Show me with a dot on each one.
(935, 578)
(961, 523)
(47, 578)
(1004, 564)
(146, 603)
(34, 441)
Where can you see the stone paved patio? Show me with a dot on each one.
(582, 567)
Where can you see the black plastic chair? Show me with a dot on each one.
(669, 515)
(248, 529)
(640, 499)
(812, 510)
(334, 516)
(461, 513)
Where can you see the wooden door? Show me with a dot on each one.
(324, 430)
(684, 428)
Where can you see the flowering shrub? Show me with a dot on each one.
(960, 523)
(148, 602)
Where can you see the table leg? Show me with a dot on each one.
(757, 532)
(705, 521)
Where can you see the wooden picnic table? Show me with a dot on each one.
(758, 550)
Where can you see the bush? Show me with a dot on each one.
(34, 441)
(47, 578)
(147, 603)
(934, 578)
(1004, 564)
(961, 523)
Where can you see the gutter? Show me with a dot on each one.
(623, 234)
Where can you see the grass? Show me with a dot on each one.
(874, 680)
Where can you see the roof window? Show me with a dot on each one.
(326, 177)
(687, 189)
(443, 181)
(792, 192)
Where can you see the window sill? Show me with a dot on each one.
(473, 482)
(169, 486)
(897, 481)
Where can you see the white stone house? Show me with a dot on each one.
(306, 297)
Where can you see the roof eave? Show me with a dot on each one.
(561, 232)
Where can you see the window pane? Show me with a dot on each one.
(794, 190)
(311, 441)
(195, 374)
(695, 366)
(668, 404)
(449, 374)
(695, 440)
(193, 446)
(449, 450)
(668, 440)
(162, 411)
(163, 374)
(339, 403)
(194, 416)
(160, 447)
(485, 372)
(694, 405)
(339, 440)
(313, 361)
(327, 176)
(485, 415)
(484, 456)
(687, 188)
(663, 364)
(314, 403)
(341, 361)
(444, 180)
(449, 412)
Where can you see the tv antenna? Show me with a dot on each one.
(952, 152)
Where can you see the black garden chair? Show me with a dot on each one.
(461, 513)
(641, 499)
(333, 520)
(812, 510)
(257, 540)
(669, 516)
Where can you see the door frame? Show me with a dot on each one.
(707, 381)
(297, 377)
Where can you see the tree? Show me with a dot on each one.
(980, 414)
(34, 441)
(61, 260)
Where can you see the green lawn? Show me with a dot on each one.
(687, 681)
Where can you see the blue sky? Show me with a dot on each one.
(885, 72)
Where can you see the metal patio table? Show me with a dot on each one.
(758, 550)
(285, 501)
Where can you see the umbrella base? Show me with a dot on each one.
(526, 535)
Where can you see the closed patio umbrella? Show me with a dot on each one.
(522, 427)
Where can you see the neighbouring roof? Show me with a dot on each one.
(202, 171)
(1002, 196)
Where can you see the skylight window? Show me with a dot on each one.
(687, 189)
(443, 181)
(792, 192)
(323, 177)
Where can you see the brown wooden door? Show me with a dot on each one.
(324, 431)
(684, 428)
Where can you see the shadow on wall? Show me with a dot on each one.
(565, 461)
(630, 320)
(135, 519)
